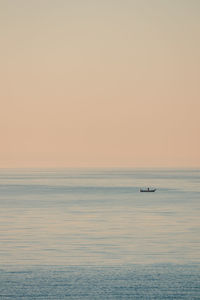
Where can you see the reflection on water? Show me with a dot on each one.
(98, 217)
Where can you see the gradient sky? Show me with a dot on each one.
(89, 83)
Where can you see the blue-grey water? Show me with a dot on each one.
(90, 234)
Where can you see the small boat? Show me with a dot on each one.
(148, 190)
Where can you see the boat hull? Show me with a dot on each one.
(147, 191)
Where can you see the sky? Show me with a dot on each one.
(110, 83)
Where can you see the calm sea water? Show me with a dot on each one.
(90, 234)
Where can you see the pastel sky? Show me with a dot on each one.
(100, 83)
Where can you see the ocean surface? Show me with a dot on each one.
(90, 234)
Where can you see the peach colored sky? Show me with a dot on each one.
(100, 83)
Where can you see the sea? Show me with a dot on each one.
(91, 234)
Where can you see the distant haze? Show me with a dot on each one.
(100, 83)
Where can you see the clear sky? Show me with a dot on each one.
(100, 83)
